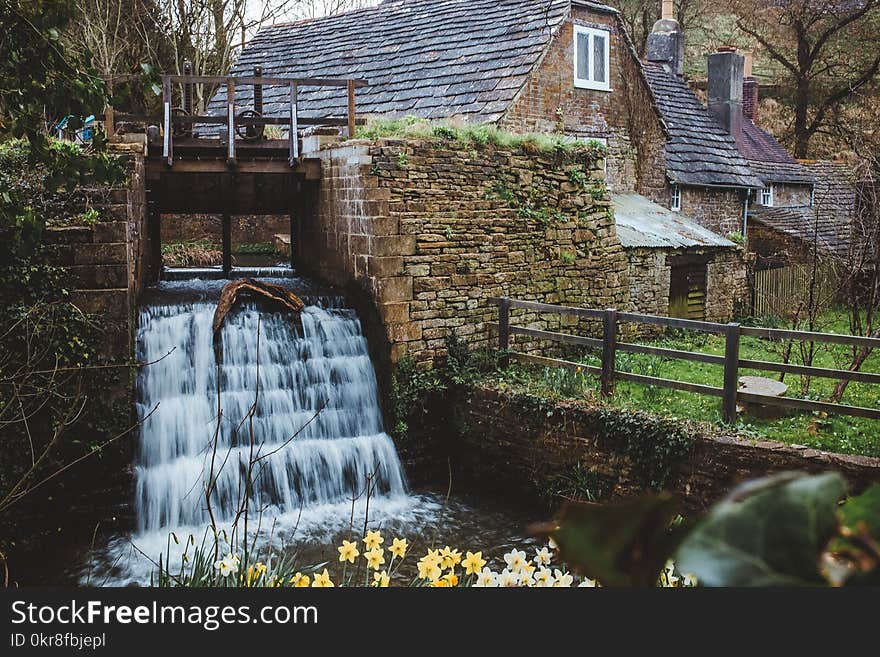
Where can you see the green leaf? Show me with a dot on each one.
(767, 532)
(620, 544)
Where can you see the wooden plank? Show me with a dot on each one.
(167, 152)
(265, 81)
(806, 405)
(671, 353)
(294, 126)
(672, 322)
(808, 336)
(554, 362)
(550, 308)
(309, 168)
(699, 388)
(230, 124)
(351, 122)
(213, 119)
(557, 337)
(504, 328)
(791, 368)
(609, 350)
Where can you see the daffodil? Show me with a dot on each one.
(563, 580)
(373, 540)
(228, 565)
(375, 557)
(299, 580)
(508, 578)
(255, 572)
(348, 551)
(486, 579)
(473, 563)
(516, 560)
(543, 557)
(450, 557)
(689, 579)
(552, 544)
(381, 579)
(398, 547)
(544, 578)
(429, 566)
(322, 580)
(588, 583)
(452, 578)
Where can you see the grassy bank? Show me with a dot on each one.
(836, 433)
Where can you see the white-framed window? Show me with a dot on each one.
(675, 204)
(592, 59)
(767, 196)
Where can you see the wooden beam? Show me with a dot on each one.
(213, 119)
(265, 81)
(167, 148)
(230, 123)
(351, 120)
(310, 168)
(294, 126)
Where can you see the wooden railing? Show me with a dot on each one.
(731, 362)
(233, 120)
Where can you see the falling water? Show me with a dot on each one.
(315, 433)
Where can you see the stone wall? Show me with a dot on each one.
(718, 209)
(624, 116)
(534, 452)
(649, 278)
(727, 285)
(108, 260)
(788, 195)
(431, 230)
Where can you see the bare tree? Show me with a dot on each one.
(826, 50)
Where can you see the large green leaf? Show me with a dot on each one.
(768, 532)
(620, 544)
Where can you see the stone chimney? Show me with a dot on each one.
(750, 90)
(666, 42)
(726, 90)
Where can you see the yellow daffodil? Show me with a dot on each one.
(299, 580)
(429, 566)
(450, 557)
(473, 563)
(452, 578)
(375, 558)
(440, 583)
(381, 579)
(348, 551)
(373, 540)
(398, 547)
(322, 580)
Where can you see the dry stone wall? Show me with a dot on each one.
(432, 230)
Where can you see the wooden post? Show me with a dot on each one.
(351, 121)
(609, 350)
(230, 121)
(188, 96)
(504, 330)
(294, 126)
(167, 144)
(109, 127)
(731, 372)
(227, 244)
(154, 235)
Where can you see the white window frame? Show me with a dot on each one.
(767, 195)
(589, 83)
(675, 203)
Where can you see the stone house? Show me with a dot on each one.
(563, 66)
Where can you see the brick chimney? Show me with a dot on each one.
(726, 90)
(750, 90)
(666, 42)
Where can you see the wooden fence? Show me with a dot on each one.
(731, 361)
(779, 291)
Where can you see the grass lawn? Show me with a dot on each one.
(836, 433)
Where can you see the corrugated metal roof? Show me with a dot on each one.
(643, 223)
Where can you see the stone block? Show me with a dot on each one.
(395, 313)
(398, 288)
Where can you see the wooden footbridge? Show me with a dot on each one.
(226, 164)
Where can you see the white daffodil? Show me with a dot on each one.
(690, 580)
(486, 579)
(516, 560)
(544, 578)
(552, 544)
(669, 571)
(562, 580)
(508, 578)
(543, 557)
(588, 583)
(227, 565)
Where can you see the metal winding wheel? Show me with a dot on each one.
(249, 132)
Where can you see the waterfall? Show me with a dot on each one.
(315, 382)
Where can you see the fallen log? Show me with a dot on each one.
(274, 294)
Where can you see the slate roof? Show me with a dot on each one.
(834, 202)
(699, 151)
(429, 58)
(642, 223)
(769, 159)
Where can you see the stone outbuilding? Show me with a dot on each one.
(676, 266)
